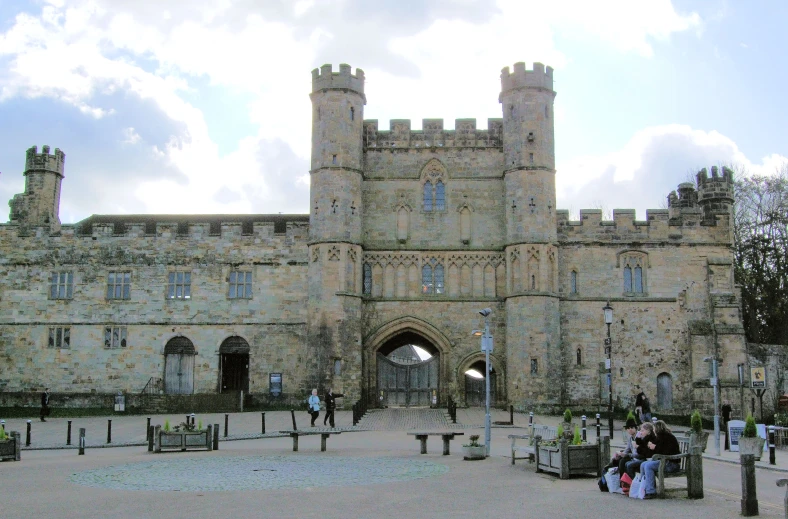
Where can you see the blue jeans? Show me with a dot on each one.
(649, 471)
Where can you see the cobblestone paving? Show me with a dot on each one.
(406, 419)
(256, 473)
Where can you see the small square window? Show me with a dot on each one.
(115, 337)
(61, 285)
(240, 285)
(179, 285)
(59, 337)
(534, 366)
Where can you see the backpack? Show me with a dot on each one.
(602, 484)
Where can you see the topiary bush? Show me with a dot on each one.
(568, 416)
(696, 422)
(750, 431)
(577, 439)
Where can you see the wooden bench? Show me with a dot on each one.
(690, 466)
(546, 432)
(323, 437)
(446, 435)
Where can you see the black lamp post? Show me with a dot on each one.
(608, 311)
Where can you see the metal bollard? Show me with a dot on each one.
(68, 433)
(81, 441)
(772, 460)
(583, 419)
(192, 417)
(598, 427)
(262, 418)
(511, 414)
(148, 431)
(216, 436)
(749, 498)
(109, 431)
(188, 420)
(27, 439)
(292, 415)
(531, 419)
(150, 437)
(226, 419)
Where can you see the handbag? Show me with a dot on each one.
(613, 481)
(638, 488)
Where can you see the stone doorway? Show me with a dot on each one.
(408, 372)
(234, 365)
(475, 385)
(179, 366)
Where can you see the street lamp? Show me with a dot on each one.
(487, 346)
(715, 385)
(608, 311)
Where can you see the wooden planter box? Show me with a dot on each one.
(569, 460)
(182, 440)
(11, 449)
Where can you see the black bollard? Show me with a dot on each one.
(226, 419)
(148, 431)
(511, 414)
(772, 460)
(109, 431)
(216, 436)
(262, 418)
(150, 437)
(749, 499)
(598, 426)
(81, 441)
(192, 422)
(583, 418)
(188, 421)
(27, 439)
(292, 414)
(68, 433)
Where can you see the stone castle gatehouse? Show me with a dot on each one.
(410, 233)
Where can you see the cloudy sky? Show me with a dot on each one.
(201, 106)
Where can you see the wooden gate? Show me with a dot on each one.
(476, 391)
(407, 385)
(179, 366)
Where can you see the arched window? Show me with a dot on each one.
(427, 286)
(428, 196)
(440, 196)
(627, 279)
(664, 392)
(533, 282)
(439, 279)
(432, 278)
(367, 279)
(632, 264)
(579, 357)
(573, 282)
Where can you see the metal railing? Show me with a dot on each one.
(359, 410)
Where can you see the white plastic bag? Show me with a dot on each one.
(613, 481)
(638, 488)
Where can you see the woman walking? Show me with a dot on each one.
(314, 406)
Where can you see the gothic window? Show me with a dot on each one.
(179, 285)
(530, 158)
(367, 279)
(240, 285)
(634, 279)
(579, 357)
(61, 285)
(59, 337)
(432, 278)
(115, 337)
(573, 282)
(440, 196)
(534, 366)
(428, 196)
(119, 285)
(533, 282)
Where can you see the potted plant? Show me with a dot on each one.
(10, 445)
(749, 441)
(566, 427)
(182, 437)
(697, 436)
(474, 451)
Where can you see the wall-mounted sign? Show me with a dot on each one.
(758, 377)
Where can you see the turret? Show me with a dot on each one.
(39, 205)
(715, 194)
(337, 154)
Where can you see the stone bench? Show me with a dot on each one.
(690, 466)
(446, 435)
(323, 437)
(546, 432)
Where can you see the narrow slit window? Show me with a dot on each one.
(352, 114)
(573, 283)
(428, 196)
(367, 279)
(638, 282)
(440, 196)
(579, 357)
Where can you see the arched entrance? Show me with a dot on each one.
(179, 366)
(408, 373)
(476, 385)
(234, 364)
(664, 391)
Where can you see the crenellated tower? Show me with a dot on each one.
(335, 226)
(39, 205)
(715, 194)
(533, 351)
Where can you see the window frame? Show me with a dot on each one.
(433, 278)
(59, 338)
(366, 282)
(58, 285)
(113, 286)
(173, 285)
(233, 284)
(115, 337)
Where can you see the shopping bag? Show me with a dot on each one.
(613, 481)
(638, 489)
(626, 481)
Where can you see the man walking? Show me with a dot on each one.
(44, 404)
(331, 405)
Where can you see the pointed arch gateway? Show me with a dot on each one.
(474, 389)
(393, 374)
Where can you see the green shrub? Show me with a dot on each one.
(199, 425)
(577, 439)
(167, 425)
(696, 422)
(750, 431)
(560, 433)
(568, 416)
(631, 416)
(3, 435)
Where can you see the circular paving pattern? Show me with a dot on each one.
(256, 473)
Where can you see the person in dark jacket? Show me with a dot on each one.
(331, 406)
(44, 405)
(643, 407)
(665, 443)
(621, 458)
(643, 438)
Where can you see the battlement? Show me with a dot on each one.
(539, 77)
(432, 134)
(324, 79)
(37, 162)
(715, 182)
